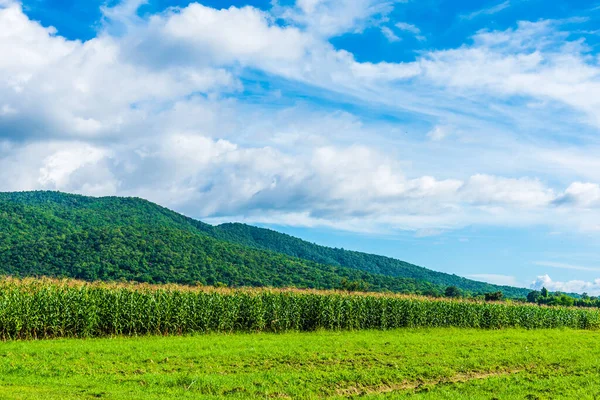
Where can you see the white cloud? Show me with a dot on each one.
(535, 60)
(245, 35)
(574, 286)
(67, 88)
(566, 266)
(56, 165)
(308, 6)
(125, 11)
(153, 112)
(389, 34)
(492, 190)
(438, 133)
(329, 18)
(412, 29)
(584, 195)
(487, 11)
(408, 27)
(7, 109)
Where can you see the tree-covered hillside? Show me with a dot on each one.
(112, 238)
(271, 240)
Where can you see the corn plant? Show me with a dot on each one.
(46, 308)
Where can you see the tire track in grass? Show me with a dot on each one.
(365, 390)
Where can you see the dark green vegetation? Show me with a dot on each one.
(61, 235)
(544, 297)
(49, 309)
(436, 363)
(271, 240)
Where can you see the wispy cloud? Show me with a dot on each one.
(389, 34)
(487, 11)
(410, 28)
(560, 265)
(438, 133)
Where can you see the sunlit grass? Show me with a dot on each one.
(421, 363)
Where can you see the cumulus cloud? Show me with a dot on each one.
(492, 190)
(57, 165)
(246, 35)
(584, 195)
(55, 87)
(154, 111)
(333, 17)
(574, 286)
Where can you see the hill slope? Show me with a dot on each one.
(271, 240)
(111, 238)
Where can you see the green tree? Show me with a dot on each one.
(495, 296)
(452, 291)
(533, 296)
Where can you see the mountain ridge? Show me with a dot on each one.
(132, 238)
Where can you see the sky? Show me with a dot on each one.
(462, 136)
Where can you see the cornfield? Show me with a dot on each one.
(31, 309)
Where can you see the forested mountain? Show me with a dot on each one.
(279, 242)
(112, 238)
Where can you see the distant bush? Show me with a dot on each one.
(452, 291)
(495, 296)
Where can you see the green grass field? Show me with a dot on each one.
(441, 363)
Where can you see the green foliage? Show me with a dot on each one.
(557, 299)
(125, 239)
(271, 240)
(561, 299)
(495, 296)
(112, 238)
(533, 296)
(353, 286)
(452, 291)
(48, 309)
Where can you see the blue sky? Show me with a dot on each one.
(458, 135)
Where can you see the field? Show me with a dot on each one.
(127, 341)
(440, 363)
(42, 309)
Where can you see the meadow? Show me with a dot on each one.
(424, 363)
(139, 341)
(41, 309)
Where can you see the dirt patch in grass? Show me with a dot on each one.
(419, 384)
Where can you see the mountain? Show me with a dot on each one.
(267, 239)
(115, 238)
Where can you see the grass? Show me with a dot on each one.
(438, 363)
